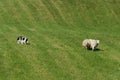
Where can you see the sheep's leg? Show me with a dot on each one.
(93, 48)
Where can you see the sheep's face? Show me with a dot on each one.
(98, 41)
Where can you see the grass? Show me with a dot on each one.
(56, 29)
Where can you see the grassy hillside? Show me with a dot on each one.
(56, 29)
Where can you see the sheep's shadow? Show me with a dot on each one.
(97, 49)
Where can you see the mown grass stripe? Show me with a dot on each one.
(56, 30)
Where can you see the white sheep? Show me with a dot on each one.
(90, 43)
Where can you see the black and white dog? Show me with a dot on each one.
(22, 40)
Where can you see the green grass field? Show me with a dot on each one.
(56, 29)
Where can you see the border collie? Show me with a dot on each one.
(22, 40)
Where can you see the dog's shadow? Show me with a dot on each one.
(27, 43)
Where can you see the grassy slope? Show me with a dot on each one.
(56, 29)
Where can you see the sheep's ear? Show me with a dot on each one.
(98, 41)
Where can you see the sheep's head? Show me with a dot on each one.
(98, 41)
